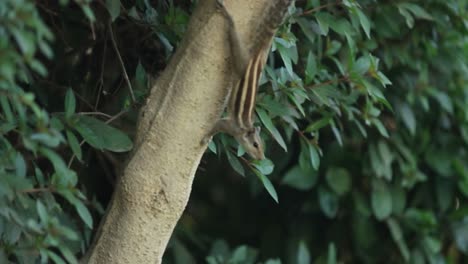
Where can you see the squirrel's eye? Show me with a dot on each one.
(255, 144)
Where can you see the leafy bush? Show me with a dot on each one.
(364, 108)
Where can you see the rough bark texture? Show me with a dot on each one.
(184, 104)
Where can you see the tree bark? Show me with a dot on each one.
(184, 104)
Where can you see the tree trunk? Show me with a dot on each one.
(183, 106)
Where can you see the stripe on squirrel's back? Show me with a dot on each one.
(256, 70)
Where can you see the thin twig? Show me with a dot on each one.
(121, 61)
(38, 190)
(101, 77)
(116, 116)
(341, 79)
(95, 113)
(318, 8)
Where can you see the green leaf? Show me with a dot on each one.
(314, 156)
(102, 136)
(337, 134)
(42, 212)
(380, 127)
(181, 253)
(300, 179)
(328, 202)
(7, 109)
(364, 21)
(398, 199)
(362, 65)
(113, 6)
(235, 163)
(420, 220)
(324, 20)
(307, 28)
(74, 144)
(88, 12)
(244, 254)
(51, 140)
(303, 255)
(408, 17)
(286, 55)
(69, 256)
(331, 259)
(432, 244)
(322, 122)
(38, 67)
(83, 212)
(70, 103)
(397, 235)
(444, 101)
(265, 166)
(58, 163)
(25, 41)
(460, 232)
(20, 165)
(381, 199)
(417, 10)
(267, 184)
(212, 147)
(408, 118)
(269, 125)
(55, 258)
(339, 180)
(311, 67)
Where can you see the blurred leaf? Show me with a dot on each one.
(314, 156)
(300, 179)
(303, 255)
(20, 165)
(243, 254)
(460, 233)
(331, 259)
(70, 103)
(416, 10)
(397, 235)
(74, 144)
(42, 212)
(328, 202)
(113, 6)
(69, 256)
(88, 12)
(408, 118)
(420, 220)
(444, 101)
(378, 124)
(311, 67)
(381, 199)
(182, 254)
(55, 258)
(339, 180)
(364, 21)
(324, 121)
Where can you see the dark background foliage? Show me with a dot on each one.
(364, 109)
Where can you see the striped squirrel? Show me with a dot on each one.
(248, 65)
